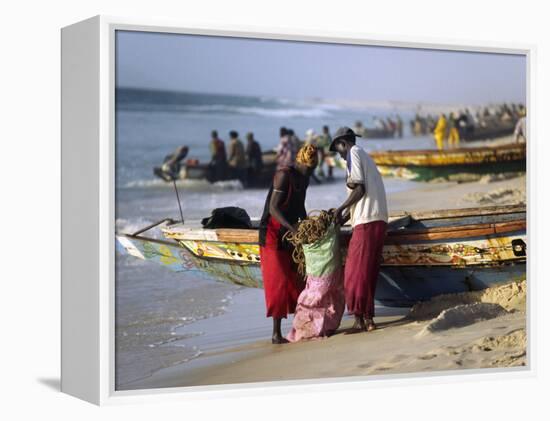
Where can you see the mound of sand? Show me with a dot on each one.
(497, 351)
(463, 315)
(511, 297)
(517, 339)
(502, 196)
(492, 178)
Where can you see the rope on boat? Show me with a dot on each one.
(310, 230)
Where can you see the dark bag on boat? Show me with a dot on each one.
(229, 217)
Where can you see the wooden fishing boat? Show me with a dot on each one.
(451, 164)
(195, 170)
(202, 171)
(490, 132)
(371, 133)
(425, 253)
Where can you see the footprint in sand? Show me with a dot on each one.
(427, 357)
(383, 368)
(398, 358)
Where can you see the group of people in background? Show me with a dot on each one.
(462, 124)
(289, 145)
(451, 129)
(244, 161)
(382, 127)
(486, 117)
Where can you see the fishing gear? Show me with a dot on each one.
(310, 230)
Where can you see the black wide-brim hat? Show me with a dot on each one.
(340, 133)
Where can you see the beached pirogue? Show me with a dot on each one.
(451, 164)
(425, 253)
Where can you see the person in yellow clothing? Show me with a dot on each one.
(454, 136)
(440, 131)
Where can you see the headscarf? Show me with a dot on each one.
(307, 155)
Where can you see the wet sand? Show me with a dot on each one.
(428, 339)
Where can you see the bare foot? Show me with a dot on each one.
(371, 325)
(277, 340)
(358, 326)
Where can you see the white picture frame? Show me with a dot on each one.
(88, 209)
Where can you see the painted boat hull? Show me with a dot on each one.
(416, 266)
(398, 285)
(454, 165)
(452, 172)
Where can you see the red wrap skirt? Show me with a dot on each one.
(282, 283)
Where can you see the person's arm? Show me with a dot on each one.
(356, 183)
(259, 153)
(343, 212)
(213, 150)
(280, 190)
(231, 151)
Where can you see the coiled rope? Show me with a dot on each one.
(310, 230)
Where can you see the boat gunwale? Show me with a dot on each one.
(249, 236)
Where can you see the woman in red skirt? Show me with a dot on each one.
(284, 207)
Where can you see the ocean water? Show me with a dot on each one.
(164, 318)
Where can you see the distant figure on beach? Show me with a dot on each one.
(171, 165)
(359, 128)
(392, 126)
(237, 158)
(440, 131)
(378, 124)
(253, 157)
(323, 144)
(367, 209)
(520, 131)
(218, 157)
(284, 207)
(399, 126)
(285, 150)
(454, 136)
(294, 142)
(311, 137)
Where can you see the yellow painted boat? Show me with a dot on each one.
(425, 165)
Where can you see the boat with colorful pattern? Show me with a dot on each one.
(425, 253)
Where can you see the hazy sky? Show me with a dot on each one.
(315, 70)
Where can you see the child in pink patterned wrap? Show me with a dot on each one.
(321, 304)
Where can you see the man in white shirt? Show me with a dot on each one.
(367, 209)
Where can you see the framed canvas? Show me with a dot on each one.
(245, 210)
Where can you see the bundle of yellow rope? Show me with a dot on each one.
(311, 229)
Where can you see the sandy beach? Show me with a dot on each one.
(485, 329)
